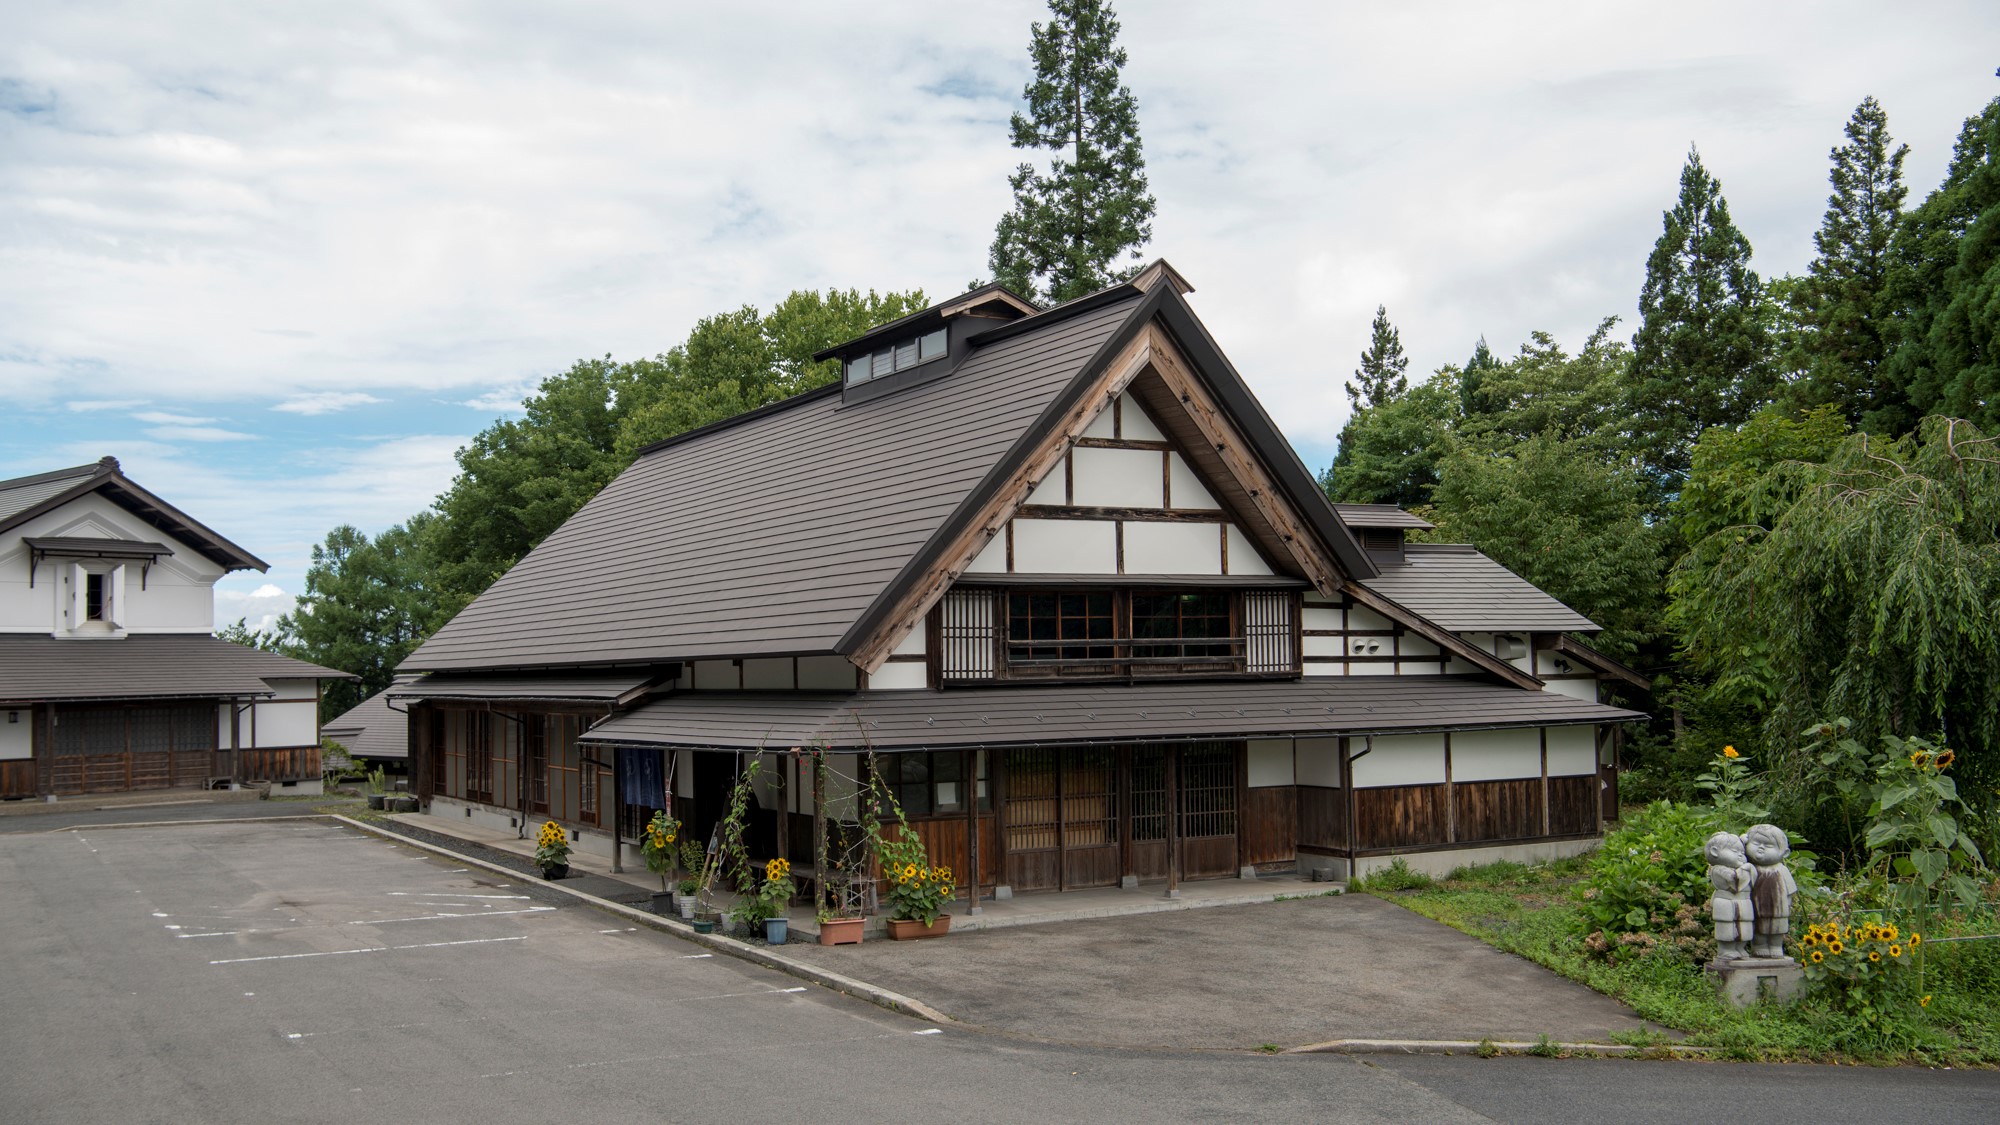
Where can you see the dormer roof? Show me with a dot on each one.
(24, 498)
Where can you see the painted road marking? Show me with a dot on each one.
(439, 917)
(218, 933)
(929, 1031)
(375, 949)
(695, 956)
(626, 930)
(447, 894)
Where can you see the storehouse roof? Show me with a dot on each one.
(38, 667)
(1077, 713)
(1464, 591)
(24, 498)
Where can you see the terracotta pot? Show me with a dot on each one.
(840, 931)
(909, 929)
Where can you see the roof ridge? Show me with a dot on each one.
(57, 474)
(734, 420)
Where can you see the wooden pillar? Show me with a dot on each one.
(1173, 754)
(787, 766)
(1544, 732)
(617, 802)
(1126, 807)
(970, 772)
(1062, 827)
(819, 831)
(1450, 796)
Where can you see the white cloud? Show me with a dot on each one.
(93, 405)
(504, 400)
(325, 402)
(198, 433)
(168, 418)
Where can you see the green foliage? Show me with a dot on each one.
(1649, 880)
(1916, 845)
(732, 856)
(551, 846)
(1701, 356)
(378, 780)
(1845, 304)
(1732, 792)
(1381, 374)
(1545, 391)
(1389, 453)
(657, 845)
(1945, 281)
(1555, 513)
(1870, 596)
(1069, 227)
(1395, 877)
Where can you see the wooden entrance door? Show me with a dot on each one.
(1207, 791)
(1090, 817)
(1062, 819)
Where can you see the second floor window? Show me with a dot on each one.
(987, 634)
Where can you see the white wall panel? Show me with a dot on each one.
(1572, 751)
(1361, 617)
(1188, 491)
(16, 733)
(1269, 762)
(1580, 689)
(1324, 646)
(899, 677)
(1101, 426)
(1320, 617)
(1065, 547)
(992, 559)
(1400, 759)
(1243, 558)
(1053, 488)
(912, 645)
(716, 675)
(835, 673)
(768, 674)
(1116, 478)
(1172, 548)
(1318, 762)
(1137, 425)
(1496, 755)
(1326, 669)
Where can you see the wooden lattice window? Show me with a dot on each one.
(1207, 790)
(1184, 619)
(968, 636)
(1048, 628)
(1268, 633)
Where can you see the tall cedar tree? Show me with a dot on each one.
(1382, 366)
(1947, 284)
(1471, 399)
(1701, 354)
(1069, 228)
(1847, 313)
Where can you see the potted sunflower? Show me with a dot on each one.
(552, 850)
(917, 894)
(776, 894)
(656, 847)
(690, 884)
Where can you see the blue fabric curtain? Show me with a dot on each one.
(644, 776)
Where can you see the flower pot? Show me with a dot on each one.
(704, 925)
(556, 871)
(402, 804)
(909, 929)
(777, 930)
(663, 902)
(840, 931)
(686, 905)
(378, 801)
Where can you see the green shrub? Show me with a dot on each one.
(1647, 888)
(1500, 873)
(1395, 877)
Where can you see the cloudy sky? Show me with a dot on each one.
(282, 260)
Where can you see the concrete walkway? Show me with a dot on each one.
(1284, 973)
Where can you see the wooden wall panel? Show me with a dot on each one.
(1322, 817)
(1032, 870)
(1401, 816)
(1498, 810)
(1573, 805)
(300, 763)
(944, 839)
(1208, 857)
(18, 778)
(1270, 821)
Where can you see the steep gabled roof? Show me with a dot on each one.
(24, 498)
(771, 534)
(36, 666)
(372, 728)
(1464, 591)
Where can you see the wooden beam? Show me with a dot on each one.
(993, 516)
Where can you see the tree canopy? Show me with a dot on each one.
(1070, 227)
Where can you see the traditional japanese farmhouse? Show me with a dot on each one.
(111, 676)
(1058, 570)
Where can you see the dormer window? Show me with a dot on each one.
(900, 356)
(96, 597)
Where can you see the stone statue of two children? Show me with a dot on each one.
(1752, 903)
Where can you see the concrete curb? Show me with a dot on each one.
(201, 820)
(108, 802)
(1473, 1046)
(757, 954)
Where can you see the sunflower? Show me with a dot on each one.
(1730, 752)
(1945, 759)
(1895, 951)
(1916, 939)
(1874, 955)
(1925, 1002)
(1835, 948)
(777, 869)
(1817, 956)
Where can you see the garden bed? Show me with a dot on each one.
(1535, 912)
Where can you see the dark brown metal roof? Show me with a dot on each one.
(1464, 591)
(82, 547)
(1380, 515)
(1076, 713)
(773, 536)
(372, 728)
(38, 667)
(24, 498)
(607, 687)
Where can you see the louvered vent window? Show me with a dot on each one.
(969, 638)
(899, 356)
(1267, 627)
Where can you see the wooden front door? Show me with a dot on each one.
(1062, 819)
(1207, 791)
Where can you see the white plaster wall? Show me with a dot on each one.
(836, 673)
(1320, 617)
(1401, 759)
(1324, 646)
(1496, 755)
(716, 675)
(1325, 669)
(290, 718)
(1066, 547)
(1361, 617)
(179, 592)
(1171, 548)
(1243, 557)
(1116, 478)
(16, 733)
(992, 559)
(771, 673)
(1138, 425)
(1415, 646)
(912, 645)
(1101, 426)
(1580, 689)
(1572, 751)
(1188, 491)
(1050, 490)
(1318, 762)
(1372, 670)
(1269, 762)
(899, 677)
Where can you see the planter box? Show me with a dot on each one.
(909, 929)
(840, 931)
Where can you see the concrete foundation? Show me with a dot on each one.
(1441, 863)
(1748, 981)
(586, 841)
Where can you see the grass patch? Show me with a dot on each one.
(1533, 912)
(1395, 877)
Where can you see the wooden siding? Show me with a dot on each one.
(1573, 805)
(1498, 810)
(297, 763)
(1401, 816)
(1322, 818)
(944, 838)
(1270, 819)
(112, 773)
(18, 778)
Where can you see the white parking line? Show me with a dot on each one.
(440, 917)
(218, 933)
(446, 894)
(376, 949)
(626, 930)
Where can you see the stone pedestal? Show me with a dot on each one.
(1750, 980)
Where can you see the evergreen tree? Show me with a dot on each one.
(1382, 366)
(1701, 354)
(1846, 311)
(1389, 453)
(1471, 396)
(1070, 227)
(1946, 284)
